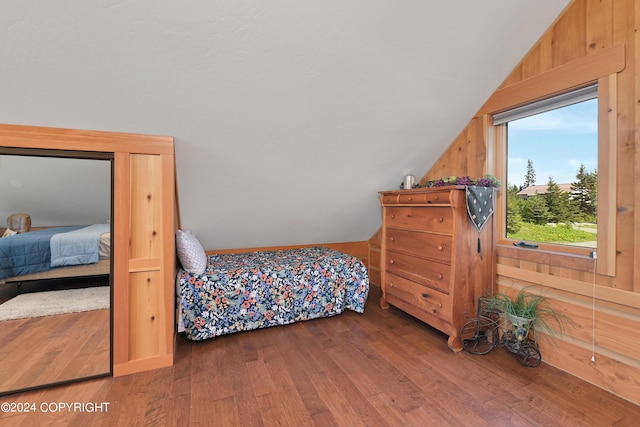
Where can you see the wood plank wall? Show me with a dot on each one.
(601, 344)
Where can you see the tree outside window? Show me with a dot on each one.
(560, 145)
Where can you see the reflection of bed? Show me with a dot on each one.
(240, 292)
(55, 253)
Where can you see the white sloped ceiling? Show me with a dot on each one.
(288, 116)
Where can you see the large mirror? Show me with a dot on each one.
(55, 267)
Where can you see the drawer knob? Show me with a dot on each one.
(391, 284)
(393, 239)
(410, 198)
(440, 219)
(391, 261)
(440, 248)
(435, 198)
(439, 276)
(393, 216)
(425, 295)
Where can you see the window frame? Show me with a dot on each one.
(600, 68)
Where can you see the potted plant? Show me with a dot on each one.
(524, 314)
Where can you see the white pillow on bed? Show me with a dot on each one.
(9, 232)
(190, 252)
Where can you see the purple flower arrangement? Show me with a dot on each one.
(483, 181)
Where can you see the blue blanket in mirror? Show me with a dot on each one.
(28, 253)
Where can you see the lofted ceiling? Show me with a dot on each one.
(288, 116)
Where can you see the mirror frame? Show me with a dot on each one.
(144, 215)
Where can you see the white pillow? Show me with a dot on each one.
(190, 252)
(9, 232)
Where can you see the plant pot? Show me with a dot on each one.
(519, 325)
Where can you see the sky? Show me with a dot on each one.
(557, 142)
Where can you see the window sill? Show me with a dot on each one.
(574, 258)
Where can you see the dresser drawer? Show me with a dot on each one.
(428, 245)
(437, 219)
(433, 274)
(438, 197)
(425, 299)
(409, 197)
(403, 199)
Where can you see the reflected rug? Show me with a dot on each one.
(37, 304)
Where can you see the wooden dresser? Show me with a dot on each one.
(434, 263)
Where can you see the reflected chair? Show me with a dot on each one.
(19, 222)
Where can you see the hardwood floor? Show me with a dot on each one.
(376, 369)
(53, 349)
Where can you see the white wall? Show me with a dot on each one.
(288, 116)
(55, 191)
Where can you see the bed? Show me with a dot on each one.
(246, 291)
(55, 253)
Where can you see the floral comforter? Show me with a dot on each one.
(241, 292)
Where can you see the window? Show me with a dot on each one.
(600, 67)
(551, 171)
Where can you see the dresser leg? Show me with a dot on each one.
(384, 304)
(454, 343)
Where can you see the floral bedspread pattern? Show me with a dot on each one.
(241, 292)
